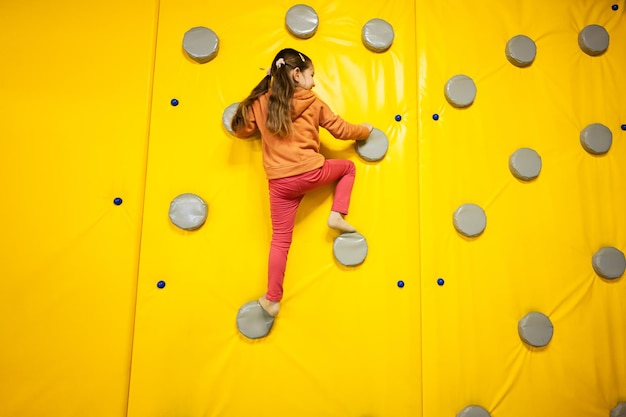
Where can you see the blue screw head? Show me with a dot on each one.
(117, 201)
(400, 284)
(435, 116)
(174, 102)
(615, 7)
(624, 127)
(161, 284)
(440, 282)
(398, 117)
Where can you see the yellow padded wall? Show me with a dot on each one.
(535, 253)
(75, 85)
(346, 342)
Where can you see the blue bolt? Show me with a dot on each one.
(117, 201)
(623, 127)
(440, 281)
(161, 284)
(435, 116)
(174, 102)
(400, 284)
(615, 7)
(398, 117)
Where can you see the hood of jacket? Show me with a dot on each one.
(302, 100)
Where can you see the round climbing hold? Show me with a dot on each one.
(609, 262)
(398, 117)
(440, 282)
(301, 21)
(596, 139)
(521, 51)
(188, 211)
(619, 410)
(435, 116)
(624, 127)
(174, 102)
(473, 411)
(253, 321)
(377, 35)
(469, 220)
(400, 284)
(460, 91)
(350, 249)
(593, 40)
(374, 147)
(535, 329)
(227, 117)
(117, 201)
(525, 164)
(161, 284)
(201, 44)
(615, 7)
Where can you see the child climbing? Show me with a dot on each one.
(288, 115)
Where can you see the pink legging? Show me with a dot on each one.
(285, 197)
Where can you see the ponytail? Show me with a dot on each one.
(240, 118)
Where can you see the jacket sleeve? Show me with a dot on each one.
(338, 127)
(249, 129)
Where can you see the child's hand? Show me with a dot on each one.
(368, 126)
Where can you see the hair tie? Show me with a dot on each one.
(280, 62)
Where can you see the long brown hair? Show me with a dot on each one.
(282, 86)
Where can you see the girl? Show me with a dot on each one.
(288, 115)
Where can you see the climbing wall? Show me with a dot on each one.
(493, 280)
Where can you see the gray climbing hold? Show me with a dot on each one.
(521, 51)
(609, 262)
(377, 35)
(469, 220)
(460, 90)
(350, 249)
(301, 21)
(374, 147)
(596, 138)
(201, 44)
(535, 329)
(227, 117)
(253, 321)
(593, 40)
(188, 211)
(619, 410)
(473, 411)
(525, 164)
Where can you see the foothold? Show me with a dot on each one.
(400, 284)
(161, 284)
(619, 410)
(521, 51)
(398, 117)
(624, 127)
(469, 220)
(174, 102)
(117, 201)
(374, 147)
(435, 116)
(440, 282)
(609, 262)
(593, 40)
(377, 35)
(596, 139)
(350, 249)
(188, 211)
(301, 21)
(227, 117)
(460, 91)
(473, 411)
(614, 7)
(535, 329)
(253, 321)
(525, 164)
(201, 44)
